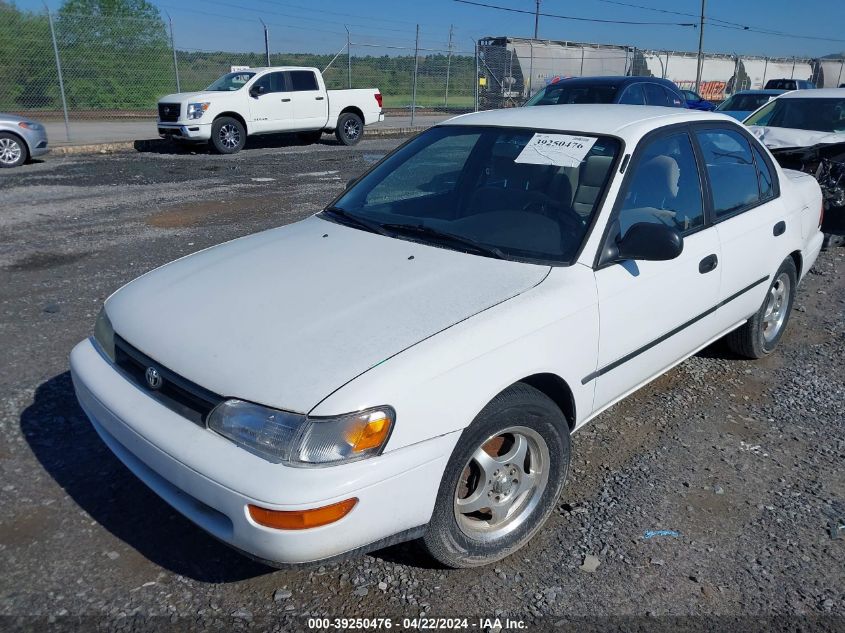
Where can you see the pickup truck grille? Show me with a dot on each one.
(169, 112)
(176, 393)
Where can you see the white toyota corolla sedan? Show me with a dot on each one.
(411, 361)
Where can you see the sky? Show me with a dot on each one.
(388, 26)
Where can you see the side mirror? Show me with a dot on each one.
(651, 242)
(258, 90)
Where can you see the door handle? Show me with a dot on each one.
(285, 100)
(779, 228)
(708, 264)
(319, 98)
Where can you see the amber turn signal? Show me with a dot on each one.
(301, 519)
(370, 434)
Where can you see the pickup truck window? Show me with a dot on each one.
(231, 82)
(272, 82)
(301, 80)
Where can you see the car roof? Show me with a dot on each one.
(763, 91)
(629, 122)
(609, 79)
(818, 93)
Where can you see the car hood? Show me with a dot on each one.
(779, 137)
(180, 97)
(287, 316)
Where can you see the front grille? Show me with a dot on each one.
(176, 393)
(168, 112)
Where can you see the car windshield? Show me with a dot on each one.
(820, 115)
(510, 193)
(744, 103)
(560, 93)
(231, 82)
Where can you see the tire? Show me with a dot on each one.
(520, 416)
(13, 150)
(759, 336)
(228, 135)
(309, 138)
(350, 128)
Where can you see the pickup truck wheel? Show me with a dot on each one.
(502, 480)
(228, 136)
(350, 128)
(762, 332)
(13, 151)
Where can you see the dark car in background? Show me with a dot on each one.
(789, 84)
(624, 90)
(696, 102)
(740, 104)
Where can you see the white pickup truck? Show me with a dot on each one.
(267, 101)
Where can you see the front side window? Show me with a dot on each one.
(271, 82)
(819, 115)
(665, 187)
(302, 80)
(231, 82)
(730, 166)
(514, 193)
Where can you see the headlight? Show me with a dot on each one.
(104, 334)
(195, 110)
(279, 436)
(31, 125)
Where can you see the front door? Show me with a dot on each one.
(270, 106)
(653, 313)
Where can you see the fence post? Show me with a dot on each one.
(59, 71)
(173, 48)
(792, 74)
(448, 69)
(581, 74)
(531, 68)
(348, 58)
(416, 70)
(765, 69)
(476, 74)
(839, 81)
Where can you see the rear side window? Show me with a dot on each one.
(633, 95)
(665, 187)
(302, 80)
(655, 95)
(765, 177)
(730, 165)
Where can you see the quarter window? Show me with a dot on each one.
(665, 187)
(302, 80)
(655, 95)
(730, 165)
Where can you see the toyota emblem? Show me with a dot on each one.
(154, 379)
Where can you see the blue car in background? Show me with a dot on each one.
(740, 104)
(624, 90)
(696, 102)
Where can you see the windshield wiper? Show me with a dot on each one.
(347, 218)
(442, 237)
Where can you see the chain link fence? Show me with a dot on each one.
(84, 70)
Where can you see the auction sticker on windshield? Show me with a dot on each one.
(564, 150)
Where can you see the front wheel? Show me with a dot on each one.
(228, 135)
(13, 151)
(502, 480)
(762, 332)
(350, 128)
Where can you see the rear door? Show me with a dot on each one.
(654, 313)
(748, 214)
(271, 110)
(310, 105)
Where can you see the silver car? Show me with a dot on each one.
(20, 140)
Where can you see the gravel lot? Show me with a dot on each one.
(707, 497)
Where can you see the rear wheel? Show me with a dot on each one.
(502, 480)
(350, 128)
(13, 150)
(762, 332)
(228, 135)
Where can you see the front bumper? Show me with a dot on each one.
(211, 481)
(185, 131)
(36, 141)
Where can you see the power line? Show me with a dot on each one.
(572, 17)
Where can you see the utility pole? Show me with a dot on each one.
(173, 48)
(348, 58)
(536, 19)
(266, 42)
(700, 50)
(448, 68)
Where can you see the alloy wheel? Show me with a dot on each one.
(777, 305)
(10, 151)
